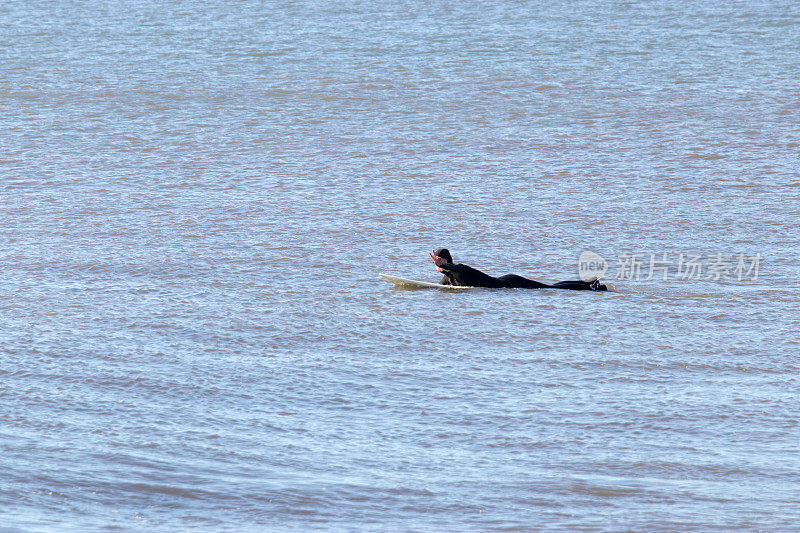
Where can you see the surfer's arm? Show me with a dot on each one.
(447, 267)
(441, 264)
(462, 275)
(449, 270)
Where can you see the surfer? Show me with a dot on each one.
(466, 276)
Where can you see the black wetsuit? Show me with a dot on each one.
(466, 276)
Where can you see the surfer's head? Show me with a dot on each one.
(444, 254)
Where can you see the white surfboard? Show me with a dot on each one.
(411, 284)
(403, 283)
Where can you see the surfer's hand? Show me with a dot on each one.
(438, 261)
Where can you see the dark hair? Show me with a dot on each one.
(444, 254)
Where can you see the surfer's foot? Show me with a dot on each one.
(597, 286)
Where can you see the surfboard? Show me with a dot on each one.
(404, 283)
(411, 284)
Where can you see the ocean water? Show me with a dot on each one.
(196, 199)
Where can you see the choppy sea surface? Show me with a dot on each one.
(196, 199)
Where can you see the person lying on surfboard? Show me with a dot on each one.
(466, 276)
